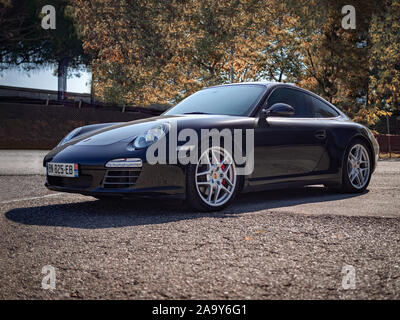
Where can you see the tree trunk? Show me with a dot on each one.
(62, 77)
(232, 71)
(92, 93)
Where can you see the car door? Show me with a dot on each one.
(288, 146)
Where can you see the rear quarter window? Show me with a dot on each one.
(322, 110)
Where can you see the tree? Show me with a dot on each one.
(245, 40)
(335, 59)
(151, 51)
(19, 33)
(25, 43)
(384, 59)
(159, 52)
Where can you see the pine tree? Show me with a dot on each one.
(23, 41)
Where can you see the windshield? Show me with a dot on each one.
(236, 100)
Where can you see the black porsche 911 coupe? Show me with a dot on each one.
(289, 137)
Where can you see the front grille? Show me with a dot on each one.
(120, 179)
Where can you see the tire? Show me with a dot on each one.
(356, 168)
(212, 186)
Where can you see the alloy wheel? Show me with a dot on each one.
(215, 176)
(358, 166)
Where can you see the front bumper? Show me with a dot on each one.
(159, 179)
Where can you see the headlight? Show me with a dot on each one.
(69, 136)
(151, 136)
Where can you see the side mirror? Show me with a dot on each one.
(278, 110)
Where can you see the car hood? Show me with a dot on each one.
(129, 130)
(113, 140)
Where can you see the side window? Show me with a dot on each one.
(322, 110)
(298, 100)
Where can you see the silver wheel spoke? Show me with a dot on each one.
(357, 178)
(360, 177)
(358, 153)
(203, 173)
(217, 194)
(352, 175)
(228, 180)
(204, 183)
(205, 160)
(210, 193)
(214, 157)
(225, 189)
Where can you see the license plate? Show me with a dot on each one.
(62, 169)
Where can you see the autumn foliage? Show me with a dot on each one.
(151, 51)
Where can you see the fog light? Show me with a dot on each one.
(124, 163)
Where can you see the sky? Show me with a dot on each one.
(43, 79)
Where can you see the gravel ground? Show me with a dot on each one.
(270, 245)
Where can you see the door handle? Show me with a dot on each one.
(320, 134)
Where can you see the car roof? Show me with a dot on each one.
(258, 83)
(263, 83)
